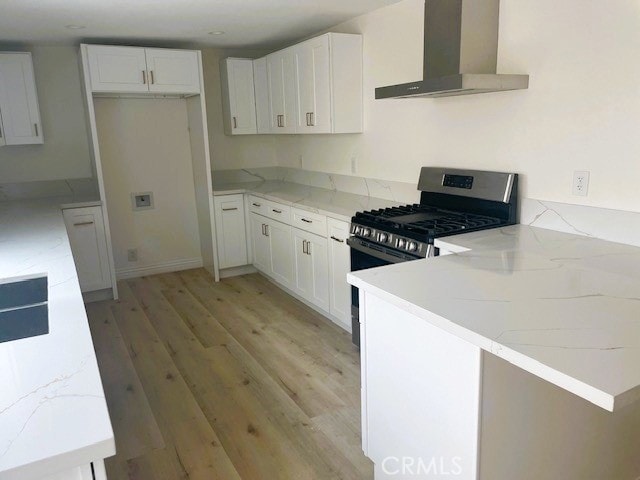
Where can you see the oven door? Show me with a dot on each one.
(367, 255)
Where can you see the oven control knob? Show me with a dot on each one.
(412, 246)
(401, 243)
(366, 232)
(357, 230)
(383, 237)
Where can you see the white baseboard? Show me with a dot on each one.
(97, 295)
(165, 267)
(235, 271)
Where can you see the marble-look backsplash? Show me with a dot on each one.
(73, 188)
(613, 225)
(400, 192)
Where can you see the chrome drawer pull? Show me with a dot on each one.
(256, 204)
(79, 224)
(306, 221)
(276, 211)
(229, 209)
(336, 239)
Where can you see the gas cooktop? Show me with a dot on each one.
(451, 202)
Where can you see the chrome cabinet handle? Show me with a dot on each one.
(306, 221)
(336, 239)
(35, 127)
(266, 230)
(256, 204)
(152, 79)
(304, 246)
(235, 122)
(276, 211)
(79, 224)
(308, 124)
(308, 248)
(144, 77)
(312, 117)
(229, 209)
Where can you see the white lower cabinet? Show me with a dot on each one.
(280, 247)
(339, 266)
(305, 252)
(231, 230)
(93, 471)
(311, 268)
(85, 227)
(272, 248)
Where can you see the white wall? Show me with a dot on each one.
(581, 111)
(65, 153)
(144, 146)
(231, 152)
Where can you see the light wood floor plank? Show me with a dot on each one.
(128, 405)
(242, 381)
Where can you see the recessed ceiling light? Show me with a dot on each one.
(75, 27)
(216, 32)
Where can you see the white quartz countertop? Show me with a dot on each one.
(335, 204)
(563, 307)
(53, 414)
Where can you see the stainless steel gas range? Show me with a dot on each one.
(452, 202)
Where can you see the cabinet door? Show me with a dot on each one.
(230, 231)
(313, 86)
(238, 96)
(261, 88)
(85, 228)
(260, 243)
(303, 268)
(311, 278)
(282, 91)
(19, 113)
(340, 265)
(173, 71)
(117, 69)
(281, 252)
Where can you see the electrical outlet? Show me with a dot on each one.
(132, 254)
(581, 183)
(354, 165)
(142, 200)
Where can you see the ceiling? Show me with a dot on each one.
(245, 23)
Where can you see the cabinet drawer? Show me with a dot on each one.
(257, 204)
(278, 211)
(310, 222)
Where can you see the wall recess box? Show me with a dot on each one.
(142, 200)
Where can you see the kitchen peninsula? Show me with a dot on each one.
(493, 338)
(54, 421)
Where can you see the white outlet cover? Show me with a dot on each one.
(580, 183)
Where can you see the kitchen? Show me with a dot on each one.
(576, 116)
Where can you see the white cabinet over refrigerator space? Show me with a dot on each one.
(143, 70)
(19, 113)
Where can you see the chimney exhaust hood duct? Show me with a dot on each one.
(460, 52)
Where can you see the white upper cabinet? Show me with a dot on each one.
(238, 97)
(261, 88)
(173, 71)
(313, 78)
(143, 70)
(117, 69)
(282, 91)
(19, 114)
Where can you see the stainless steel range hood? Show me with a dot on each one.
(460, 52)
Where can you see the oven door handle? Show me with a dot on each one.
(356, 245)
